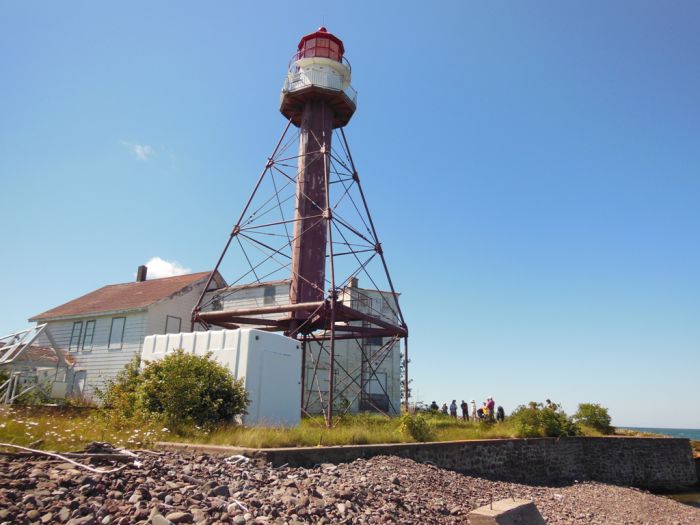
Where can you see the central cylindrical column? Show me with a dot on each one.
(310, 228)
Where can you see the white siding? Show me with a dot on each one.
(99, 362)
(179, 305)
(252, 297)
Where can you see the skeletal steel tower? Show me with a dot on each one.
(332, 241)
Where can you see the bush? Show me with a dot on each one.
(537, 420)
(122, 392)
(184, 388)
(415, 426)
(594, 416)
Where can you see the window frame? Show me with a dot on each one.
(179, 320)
(375, 340)
(121, 337)
(75, 346)
(269, 294)
(83, 346)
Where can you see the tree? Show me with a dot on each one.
(594, 416)
(538, 420)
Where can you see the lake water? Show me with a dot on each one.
(692, 497)
(690, 433)
(689, 498)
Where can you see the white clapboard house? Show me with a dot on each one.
(103, 330)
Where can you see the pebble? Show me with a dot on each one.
(179, 517)
(171, 488)
(158, 519)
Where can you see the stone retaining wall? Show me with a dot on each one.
(651, 463)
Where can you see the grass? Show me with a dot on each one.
(71, 429)
(361, 429)
(64, 429)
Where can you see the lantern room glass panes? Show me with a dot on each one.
(334, 54)
(321, 47)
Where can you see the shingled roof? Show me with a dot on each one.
(38, 355)
(121, 297)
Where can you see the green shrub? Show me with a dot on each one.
(183, 388)
(415, 426)
(537, 420)
(594, 416)
(186, 388)
(122, 392)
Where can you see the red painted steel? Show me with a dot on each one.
(310, 233)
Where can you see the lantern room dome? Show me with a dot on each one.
(321, 44)
(319, 71)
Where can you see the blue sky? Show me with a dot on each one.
(532, 168)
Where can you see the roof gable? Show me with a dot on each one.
(125, 296)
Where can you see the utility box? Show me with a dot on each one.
(269, 365)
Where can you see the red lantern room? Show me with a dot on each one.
(321, 44)
(319, 72)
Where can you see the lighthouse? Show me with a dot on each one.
(304, 241)
(317, 97)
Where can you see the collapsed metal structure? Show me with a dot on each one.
(15, 357)
(307, 220)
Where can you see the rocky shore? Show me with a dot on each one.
(168, 487)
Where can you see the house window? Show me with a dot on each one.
(217, 304)
(172, 324)
(75, 336)
(89, 334)
(116, 333)
(269, 295)
(374, 341)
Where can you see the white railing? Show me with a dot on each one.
(314, 77)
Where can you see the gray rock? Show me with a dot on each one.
(221, 490)
(85, 520)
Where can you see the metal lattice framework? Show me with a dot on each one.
(263, 237)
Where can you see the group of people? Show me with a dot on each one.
(487, 412)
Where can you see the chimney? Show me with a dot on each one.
(353, 282)
(141, 274)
